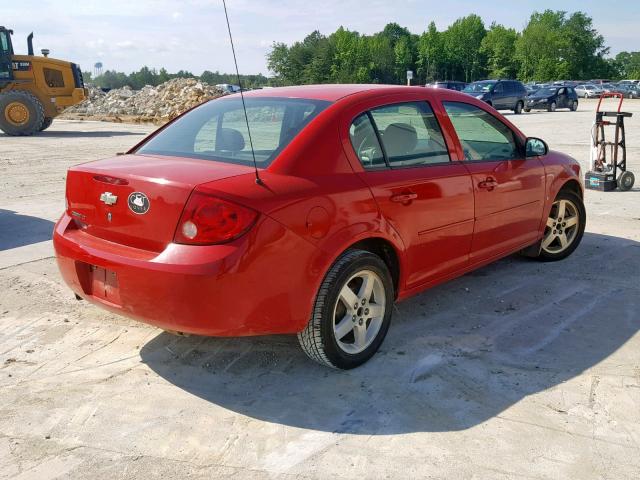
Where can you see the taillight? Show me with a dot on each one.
(207, 220)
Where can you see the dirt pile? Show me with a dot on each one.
(151, 104)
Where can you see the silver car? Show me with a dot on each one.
(589, 91)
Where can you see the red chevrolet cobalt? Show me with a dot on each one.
(363, 195)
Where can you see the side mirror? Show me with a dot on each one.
(536, 147)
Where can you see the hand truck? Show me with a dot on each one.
(607, 158)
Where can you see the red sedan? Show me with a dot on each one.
(365, 195)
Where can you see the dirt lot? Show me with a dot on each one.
(518, 370)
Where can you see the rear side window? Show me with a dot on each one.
(410, 136)
(218, 131)
(483, 137)
(365, 142)
(53, 78)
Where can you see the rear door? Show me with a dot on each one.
(508, 189)
(400, 151)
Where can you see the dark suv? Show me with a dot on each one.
(500, 94)
(448, 84)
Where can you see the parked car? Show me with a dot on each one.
(500, 94)
(552, 98)
(356, 196)
(228, 88)
(588, 91)
(449, 84)
(629, 90)
(531, 88)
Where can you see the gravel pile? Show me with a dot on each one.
(154, 104)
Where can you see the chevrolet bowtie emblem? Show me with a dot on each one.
(108, 198)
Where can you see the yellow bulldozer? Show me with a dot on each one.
(34, 89)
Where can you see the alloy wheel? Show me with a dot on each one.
(562, 226)
(359, 312)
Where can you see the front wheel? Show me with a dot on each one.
(352, 312)
(626, 180)
(565, 227)
(527, 110)
(552, 107)
(574, 106)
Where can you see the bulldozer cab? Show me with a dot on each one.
(6, 54)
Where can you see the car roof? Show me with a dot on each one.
(327, 92)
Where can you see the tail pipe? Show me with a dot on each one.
(30, 44)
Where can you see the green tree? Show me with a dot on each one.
(628, 65)
(462, 46)
(431, 56)
(499, 49)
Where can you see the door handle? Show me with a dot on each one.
(489, 183)
(404, 197)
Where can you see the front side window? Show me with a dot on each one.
(218, 131)
(4, 44)
(483, 137)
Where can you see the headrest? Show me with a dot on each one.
(400, 138)
(229, 140)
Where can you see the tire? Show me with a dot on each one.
(518, 109)
(586, 95)
(21, 113)
(552, 247)
(321, 339)
(552, 107)
(574, 106)
(46, 123)
(625, 181)
(527, 110)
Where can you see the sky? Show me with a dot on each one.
(191, 34)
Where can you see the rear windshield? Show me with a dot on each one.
(217, 130)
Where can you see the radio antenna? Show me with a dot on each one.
(244, 107)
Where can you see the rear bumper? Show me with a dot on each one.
(241, 288)
(77, 95)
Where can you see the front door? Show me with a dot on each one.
(425, 196)
(562, 98)
(6, 70)
(509, 189)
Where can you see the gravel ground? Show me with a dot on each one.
(518, 370)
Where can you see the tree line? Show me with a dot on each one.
(553, 45)
(149, 76)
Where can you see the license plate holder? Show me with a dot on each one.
(104, 284)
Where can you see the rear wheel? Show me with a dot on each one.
(352, 312)
(527, 110)
(46, 123)
(574, 106)
(565, 227)
(518, 109)
(552, 107)
(626, 181)
(586, 95)
(21, 113)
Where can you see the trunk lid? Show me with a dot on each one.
(137, 200)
